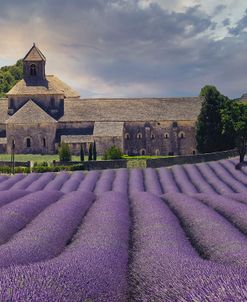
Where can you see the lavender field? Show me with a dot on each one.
(177, 234)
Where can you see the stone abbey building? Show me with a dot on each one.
(41, 111)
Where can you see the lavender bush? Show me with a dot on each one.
(57, 182)
(214, 237)
(73, 182)
(136, 181)
(26, 181)
(40, 183)
(46, 236)
(182, 179)
(17, 214)
(167, 181)
(89, 182)
(105, 181)
(120, 183)
(9, 182)
(152, 183)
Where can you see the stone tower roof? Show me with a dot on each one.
(30, 113)
(53, 86)
(34, 54)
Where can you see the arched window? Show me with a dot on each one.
(194, 152)
(157, 152)
(152, 136)
(44, 142)
(174, 124)
(33, 71)
(166, 135)
(181, 134)
(142, 152)
(28, 142)
(139, 135)
(127, 136)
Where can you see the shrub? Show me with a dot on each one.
(81, 153)
(94, 151)
(64, 152)
(90, 152)
(113, 153)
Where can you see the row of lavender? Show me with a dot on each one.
(83, 246)
(214, 177)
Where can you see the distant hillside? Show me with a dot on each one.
(9, 75)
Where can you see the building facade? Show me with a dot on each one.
(40, 111)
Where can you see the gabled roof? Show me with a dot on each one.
(34, 54)
(52, 86)
(30, 113)
(130, 110)
(104, 129)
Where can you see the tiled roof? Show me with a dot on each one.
(30, 114)
(34, 54)
(124, 110)
(3, 110)
(52, 86)
(75, 139)
(108, 129)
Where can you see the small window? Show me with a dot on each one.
(139, 135)
(157, 152)
(44, 142)
(28, 142)
(142, 152)
(194, 152)
(152, 136)
(174, 124)
(166, 135)
(181, 134)
(33, 71)
(127, 136)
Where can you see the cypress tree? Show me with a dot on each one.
(81, 153)
(90, 152)
(94, 151)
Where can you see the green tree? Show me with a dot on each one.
(234, 117)
(9, 76)
(90, 152)
(113, 153)
(94, 151)
(81, 153)
(64, 152)
(209, 127)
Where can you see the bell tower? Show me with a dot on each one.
(34, 67)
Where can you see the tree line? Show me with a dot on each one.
(221, 124)
(9, 76)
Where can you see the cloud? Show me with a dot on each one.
(128, 48)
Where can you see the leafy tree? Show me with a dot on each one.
(90, 152)
(94, 151)
(81, 153)
(209, 128)
(9, 76)
(234, 117)
(113, 153)
(64, 152)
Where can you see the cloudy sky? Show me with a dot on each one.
(132, 48)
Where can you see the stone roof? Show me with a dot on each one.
(3, 111)
(34, 54)
(52, 86)
(77, 139)
(121, 110)
(108, 129)
(30, 113)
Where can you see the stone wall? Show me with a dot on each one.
(41, 136)
(190, 159)
(159, 138)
